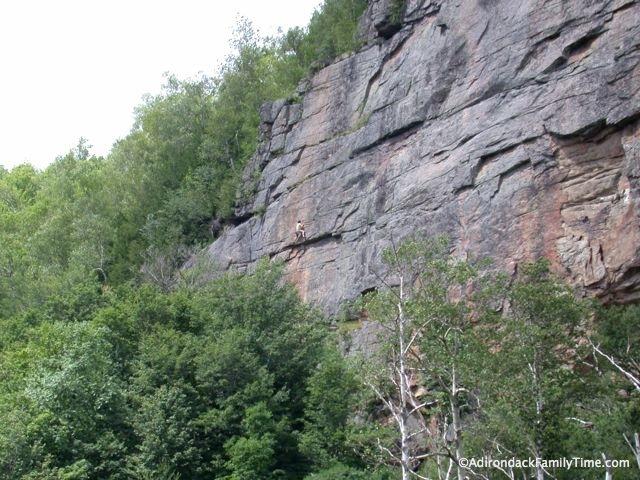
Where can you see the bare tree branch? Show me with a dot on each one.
(634, 380)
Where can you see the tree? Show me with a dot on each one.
(333, 30)
(615, 357)
(89, 219)
(530, 392)
(166, 437)
(104, 375)
(617, 342)
(62, 405)
(428, 311)
(332, 393)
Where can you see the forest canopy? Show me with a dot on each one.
(88, 219)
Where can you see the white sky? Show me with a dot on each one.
(72, 68)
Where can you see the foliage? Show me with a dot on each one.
(164, 187)
(533, 350)
(429, 318)
(106, 378)
(332, 395)
(332, 31)
(342, 472)
(397, 10)
(223, 381)
(497, 371)
(114, 363)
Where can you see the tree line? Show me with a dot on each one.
(153, 198)
(236, 378)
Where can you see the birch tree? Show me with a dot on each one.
(427, 308)
(529, 388)
(615, 348)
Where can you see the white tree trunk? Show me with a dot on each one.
(635, 381)
(607, 475)
(457, 427)
(533, 367)
(635, 447)
(403, 414)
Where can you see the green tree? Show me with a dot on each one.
(332, 397)
(610, 413)
(529, 391)
(427, 362)
(332, 30)
(63, 405)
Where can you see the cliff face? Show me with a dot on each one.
(513, 127)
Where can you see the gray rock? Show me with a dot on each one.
(510, 126)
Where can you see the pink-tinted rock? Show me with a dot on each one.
(510, 126)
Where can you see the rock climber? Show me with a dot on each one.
(300, 233)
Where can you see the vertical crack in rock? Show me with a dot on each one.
(391, 55)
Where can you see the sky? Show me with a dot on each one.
(77, 68)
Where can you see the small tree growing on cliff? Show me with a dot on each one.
(427, 310)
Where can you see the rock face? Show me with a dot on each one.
(513, 127)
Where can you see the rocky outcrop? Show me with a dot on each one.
(513, 127)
